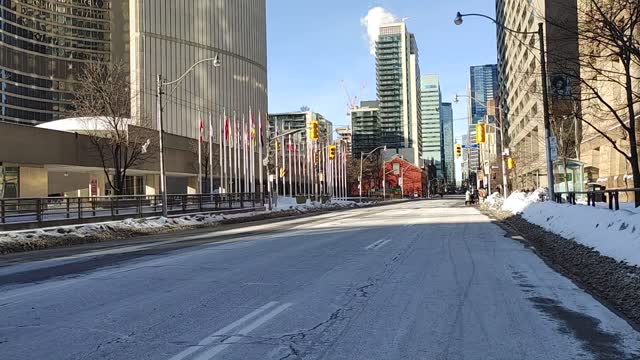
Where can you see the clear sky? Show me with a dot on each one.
(316, 45)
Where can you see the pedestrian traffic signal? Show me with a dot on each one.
(313, 130)
(458, 150)
(510, 163)
(481, 133)
(332, 152)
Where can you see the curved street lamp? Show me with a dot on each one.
(159, 85)
(545, 96)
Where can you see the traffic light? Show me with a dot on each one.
(332, 152)
(316, 157)
(458, 150)
(313, 130)
(277, 146)
(481, 133)
(510, 163)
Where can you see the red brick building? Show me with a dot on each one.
(414, 179)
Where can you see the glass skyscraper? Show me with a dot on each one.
(430, 100)
(484, 86)
(446, 116)
(43, 45)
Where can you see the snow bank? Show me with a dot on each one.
(152, 225)
(613, 233)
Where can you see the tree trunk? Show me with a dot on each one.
(635, 169)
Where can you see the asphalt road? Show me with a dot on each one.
(418, 280)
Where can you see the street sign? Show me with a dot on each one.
(553, 148)
(471, 146)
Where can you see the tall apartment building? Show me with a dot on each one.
(520, 98)
(43, 45)
(398, 87)
(483, 87)
(430, 102)
(446, 116)
(300, 120)
(366, 127)
(345, 134)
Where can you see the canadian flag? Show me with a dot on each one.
(201, 130)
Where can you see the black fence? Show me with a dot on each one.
(67, 209)
(612, 197)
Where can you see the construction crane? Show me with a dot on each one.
(352, 101)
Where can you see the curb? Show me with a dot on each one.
(109, 233)
(577, 280)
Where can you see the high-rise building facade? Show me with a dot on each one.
(168, 36)
(398, 78)
(446, 116)
(430, 100)
(520, 85)
(366, 127)
(483, 87)
(43, 45)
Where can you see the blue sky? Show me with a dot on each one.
(314, 45)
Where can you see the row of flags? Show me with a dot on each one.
(306, 167)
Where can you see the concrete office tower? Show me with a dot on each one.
(446, 116)
(398, 87)
(366, 127)
(43, 46)
(519, 70)
(430, 100)
(483, 87)
(168, 36)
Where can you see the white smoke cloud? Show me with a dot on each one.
(376, 17)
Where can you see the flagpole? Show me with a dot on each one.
(275, 151)
(284, 164)
(221, 153)
(261, 143)
(210, 153)
(235, 153)
(200, 158)
(290, 172)
(295, 167)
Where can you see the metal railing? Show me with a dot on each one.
(63, 209)
(612, 197)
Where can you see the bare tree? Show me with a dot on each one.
(103, 97)
(609, 74)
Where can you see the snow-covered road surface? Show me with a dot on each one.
(417, 280)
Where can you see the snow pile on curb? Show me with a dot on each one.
(615, 234)
(23, 240)
(290, 203)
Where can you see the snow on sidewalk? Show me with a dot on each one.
(613, 233)
(154, 225)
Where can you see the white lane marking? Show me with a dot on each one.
(378, 244)
(211, 338)
(211, 353)
(382, 244)
(374, 244)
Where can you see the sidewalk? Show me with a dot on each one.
(27, 240)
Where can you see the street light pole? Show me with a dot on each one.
(361, 162)
(163, 176)
(159, 85)
(545, 97)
